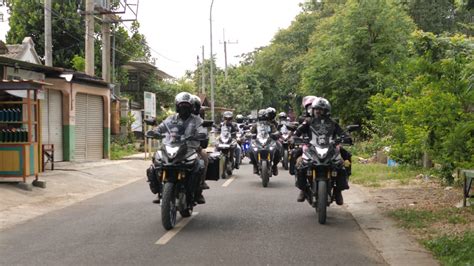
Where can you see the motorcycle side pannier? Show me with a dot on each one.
(213, 167)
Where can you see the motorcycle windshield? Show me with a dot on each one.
(262, 133)
(225, 134)
(174, 138)
(321, 141)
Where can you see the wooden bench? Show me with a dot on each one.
(48, 152)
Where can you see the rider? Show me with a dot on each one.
(262, 118)
(297, 152)
(189, 124)
(233, 129)
(196, 101)
(321, 123)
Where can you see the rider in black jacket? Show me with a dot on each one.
(322, 124)
(188, 124)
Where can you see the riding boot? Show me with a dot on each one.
(199, 198)
(255, 169)
(275, 169)
(301, 196)
(157, 200)
(338, 196)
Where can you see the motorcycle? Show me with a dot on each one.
(285, 142)
(243, 139)
(264, 148)
(320, 158)
(178, 167)
(226, 145)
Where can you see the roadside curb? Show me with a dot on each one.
(394, 244)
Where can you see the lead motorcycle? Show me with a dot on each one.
(175, 173)
(264, 147)
(320, 163)
(226, 146)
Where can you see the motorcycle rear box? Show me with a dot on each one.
(213, 172)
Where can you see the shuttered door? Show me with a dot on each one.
(51, 122)
(95, 127)
(81, 127)
(89, 127)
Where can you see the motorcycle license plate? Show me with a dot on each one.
(224, 146)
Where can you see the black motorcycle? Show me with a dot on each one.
(177, 166)
(264, 147)
(285, 135)
(320, 163)
(226, 144)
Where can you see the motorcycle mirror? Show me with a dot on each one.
(201, 136)
(153, 134)
(207, 123)
(151, 121)
(352, 128)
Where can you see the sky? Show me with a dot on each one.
(176, 29)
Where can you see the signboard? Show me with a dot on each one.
(150, 104)
(137, 124)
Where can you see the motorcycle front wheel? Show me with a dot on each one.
(184, 209)
(264, 173)
(322, 201)
(285, 159)
(168, 206)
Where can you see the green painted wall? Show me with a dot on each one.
(69, 142)
(106, 142)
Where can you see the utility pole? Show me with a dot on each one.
(48, 39)
(225, 50)
(203, 74)
(89, 37)
(212, 63)
(106, 48)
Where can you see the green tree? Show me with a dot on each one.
(432, 112)
(27, 19)
(351, 53)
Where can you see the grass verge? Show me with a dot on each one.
(446, 232)
(118, 151)
(372, 175)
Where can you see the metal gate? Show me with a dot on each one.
(89, 127)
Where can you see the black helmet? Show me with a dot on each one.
(239, 118)
(322, 104)
(271, 113)
(262, 115)
(196, 102)
(228, 115)
(183, 103)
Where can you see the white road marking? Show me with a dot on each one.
(171, 233)
(227, 183)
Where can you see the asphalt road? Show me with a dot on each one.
(241, 224)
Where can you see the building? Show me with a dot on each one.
(74, 109)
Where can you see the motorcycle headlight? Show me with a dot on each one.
(262, 140)
(171, 151)
(322, 152)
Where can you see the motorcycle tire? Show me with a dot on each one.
(184, 209)
(168, 206)
(264, 174)
(229, 168)
(321, 206)
(285, 160)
